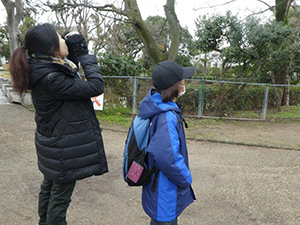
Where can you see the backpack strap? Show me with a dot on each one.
(156, 172)
(185, 123)
(154, 169)
(180, 119)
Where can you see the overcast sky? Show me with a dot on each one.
(186, 9)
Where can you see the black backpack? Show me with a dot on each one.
(135, 170)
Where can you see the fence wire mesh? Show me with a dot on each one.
(205, 98)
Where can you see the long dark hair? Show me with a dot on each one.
(38, 39)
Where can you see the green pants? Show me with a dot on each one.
(54, 200)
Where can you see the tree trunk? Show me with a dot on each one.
(286, 90)
(282, 9)
(152, 49)
(14, 15)
(205, 63)
(133, 13)
(174, 29)
(286, 93)
(277, 97)
(220, 95)
(295, 7)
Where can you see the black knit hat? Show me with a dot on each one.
(167, 73)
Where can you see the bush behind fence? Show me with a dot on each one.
(231, 100)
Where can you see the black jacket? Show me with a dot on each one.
(68, 137)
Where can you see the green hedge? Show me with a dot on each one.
(235, 98)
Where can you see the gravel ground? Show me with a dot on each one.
(234, 184)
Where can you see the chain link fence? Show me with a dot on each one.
(204, 98)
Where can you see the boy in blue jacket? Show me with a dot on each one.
(167, 150)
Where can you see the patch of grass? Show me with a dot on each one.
(30, 107)
(248, 114)
(208, 135)
(116, 119)
(5, 74)
(118, 115)
(197, 123)
(123, 116)
(287, 112)
(236, 122)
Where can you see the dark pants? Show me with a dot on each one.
(154, 222)
(54, 200)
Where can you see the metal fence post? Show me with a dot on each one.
(134, 96)
(201, 98)
(265, 106)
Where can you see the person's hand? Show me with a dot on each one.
(71, 55)
(76, 45)
(78, 42)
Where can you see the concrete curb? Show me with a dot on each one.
(243, 144)
(14, 97)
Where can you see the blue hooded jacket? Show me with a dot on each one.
(167, 151)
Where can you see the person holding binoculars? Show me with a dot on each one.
(68, 138)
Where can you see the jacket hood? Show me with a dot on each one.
(39, 69)
(152, 105)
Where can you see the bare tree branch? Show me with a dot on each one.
(261, 12)
(289, 4)
(107, 7)
(265, 3)
(206, 7)
(231, 1)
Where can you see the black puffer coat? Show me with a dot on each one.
(68, 137)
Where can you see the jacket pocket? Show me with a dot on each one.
(184, 191)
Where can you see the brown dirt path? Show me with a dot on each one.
(234, 184)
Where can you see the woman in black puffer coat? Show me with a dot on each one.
(68, 137)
